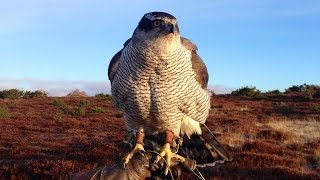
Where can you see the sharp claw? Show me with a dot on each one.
(157, 159)
(137, 149)
(168, 159)
(142, 152)
(166, 171)
(168, 155)
(167, 168)
(126, 160)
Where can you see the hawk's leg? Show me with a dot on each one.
(167, 153)
(138, 148)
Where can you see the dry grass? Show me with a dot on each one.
(237, 139)
(244, 108)
(299, 131)
(43, 140)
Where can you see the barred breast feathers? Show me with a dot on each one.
(161, 83)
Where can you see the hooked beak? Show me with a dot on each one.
(169, 28)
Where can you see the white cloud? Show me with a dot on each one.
(56, 87)
(62, 88)
(220, 89)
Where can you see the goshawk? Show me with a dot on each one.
(159, 81)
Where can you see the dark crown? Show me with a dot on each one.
(146, 23)
(160, 15)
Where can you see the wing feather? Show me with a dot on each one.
(199, 68)
(113, 65)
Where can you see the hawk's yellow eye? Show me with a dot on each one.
(157, 23)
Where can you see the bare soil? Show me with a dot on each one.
(48, 138)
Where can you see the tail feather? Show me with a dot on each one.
(205, 149)
(213, 144)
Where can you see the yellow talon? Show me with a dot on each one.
(168, 154)
(137, 148)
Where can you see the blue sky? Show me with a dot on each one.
(60, 45)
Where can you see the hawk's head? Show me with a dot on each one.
(155, 25)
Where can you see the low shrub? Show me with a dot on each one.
(283, 108)
(63, 106)
(17, 94)
(4, 113)
(248, 91)
(308, 95)
(58, 116)
(83, 103)
(105, 96)
(317, 108)
(274, 92)
(35, 94)
(296, 88)
(79, 111)
(306, 91)
(58, 103)
(11, 94)
(77, 93)
(99, 110)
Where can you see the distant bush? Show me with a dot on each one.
(77, 93)
(302, 88)
(317, 93)
(35, 94)
(296, 88)
(59, 103)
(317, 108)
(211, 92)
(247, 91)
(63, 106)
(306, 91)
(105, 96)
(11, 94)
(276, 91)
(283, 108)
(99, 110)
(79, 111)
(4, 113)
(58, 116)
(312, 90)
(17, 94)
(27, 95)
(83, 103)
(308, 94)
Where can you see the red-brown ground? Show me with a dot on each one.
(45, 139)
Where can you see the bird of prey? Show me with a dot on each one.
(159, 81)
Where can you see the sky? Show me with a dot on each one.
(62, 45)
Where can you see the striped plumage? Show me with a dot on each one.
(156, 84)
(159, 82)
